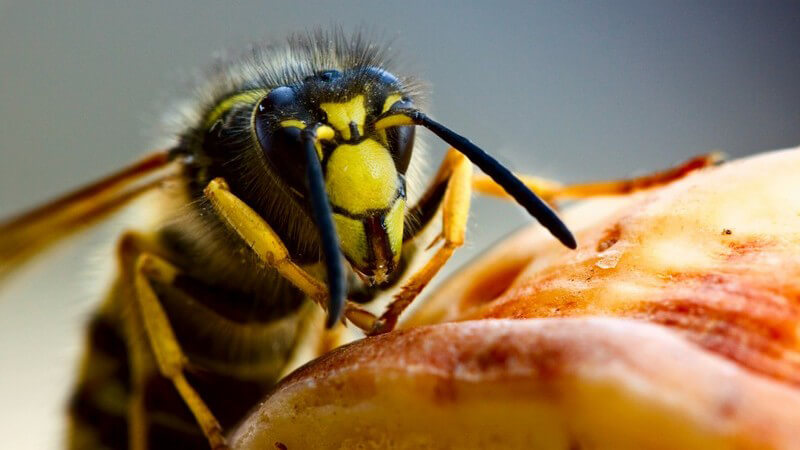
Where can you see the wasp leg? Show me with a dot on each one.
(269, 248)
(455, 208)
(169, 357)
(139, 364)
(137, 419)
(130, 246)
(553, 191)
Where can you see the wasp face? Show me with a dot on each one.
(364, 168)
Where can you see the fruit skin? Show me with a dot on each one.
(715, 257)
(672, 326)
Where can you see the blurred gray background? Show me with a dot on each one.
(576, 91)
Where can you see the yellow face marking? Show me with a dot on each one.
(340, 115)
(246, 97)
(361, 177)
(394, 226)
(352, 238)
(393, 121)
(325, 133)
(391, 100)
(293, 123)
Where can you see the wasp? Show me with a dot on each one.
(285, 205)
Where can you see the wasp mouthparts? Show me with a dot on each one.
(380, 276)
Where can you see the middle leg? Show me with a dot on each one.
(170, 358)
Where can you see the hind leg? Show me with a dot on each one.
(151, 342)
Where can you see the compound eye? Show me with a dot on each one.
(401, 145)
(277, 99)
(381, 75)
(400, 138)
(282, 148)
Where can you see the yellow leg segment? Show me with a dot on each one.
(260, 237)
(130, 246)
(553, 191)
(169, 357)
(455, 209)
(137, 421)
(267, 245)
(140, 368)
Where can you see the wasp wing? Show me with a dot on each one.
(32, 232)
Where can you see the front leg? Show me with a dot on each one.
(269, 248)
(457, 170)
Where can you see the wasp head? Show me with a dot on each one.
(363, 167)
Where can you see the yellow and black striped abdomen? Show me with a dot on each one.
(98, 407)
(233, 362)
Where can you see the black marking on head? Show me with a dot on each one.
(355, 136)
(401, 193)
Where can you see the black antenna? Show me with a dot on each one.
(321, 208)
(499, 173)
